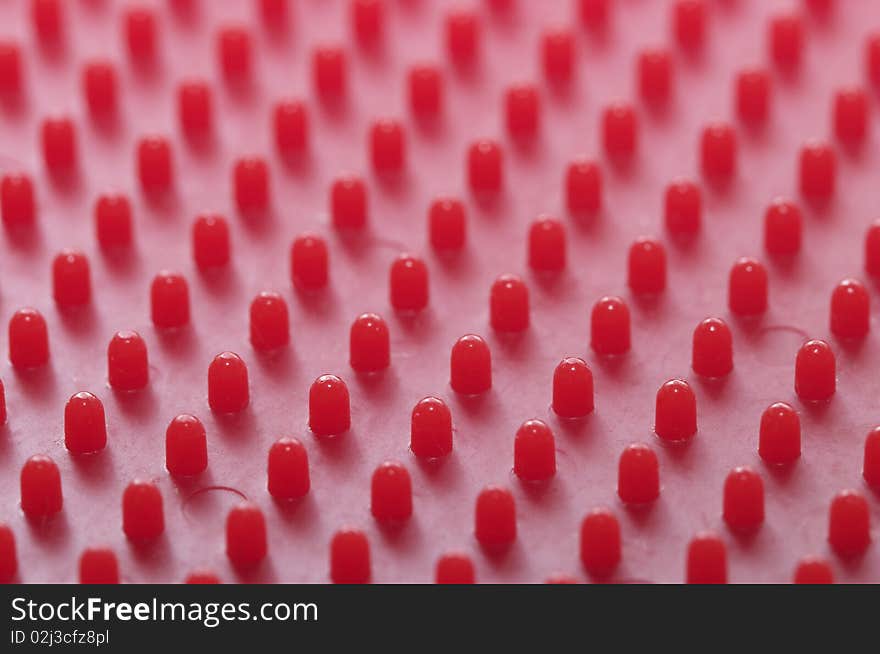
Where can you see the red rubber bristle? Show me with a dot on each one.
(391, 493)
(2, 404)
(141, 35)
(558, 55)
(71, 279)
(186, 446)
(350, 557)
(143, 518)
(275, 13)
(202, 577)
(485, 167)
(849, 524)
(547, 245)
(655, 76)
(98, 566)
(779, 439)
(706, 560)
(447, 225)
(8, 555)
(718, 152)
(48, 18)
(815, 372)
(753, 93)
(251, 183)
(40, 488)
(712, 351)
(369, 344)
(470, 366)
(523, 111)
(113, 224)
(872, 59)
(269, 322)
(675, 415)
(85, 427)
(228, 388)
(534, 452)
(169, 301)
(818, 171)
(246, 541)
(387, 147)
(495, 518)
(368, 20)
(426, 91)
(100, 88)
(408, 283)
(454, 568)
(17, 201)
(291, 125)
(871, 461)
(638, 475)
(782, 228)
(851, 116)
(431, 429)
(329, 406)
(234, 53)
(594, 14)
(59, 143)
(683, 208)
(210, 241)
(747, 287)
(309, 262)
(154, 165)
(583, 186)
(573, 389)
(330, 72)
(646, 267)
(743, 500)
(689, 24)
(10, 69)
(462, 37)
(509, 304)
(288, 470)
(785, 34)
(600, 543)
(619, 131)
(195, 109)
(811, 570)
(610, 326)
(28, 339)
(872, 250)
(850, 310)
(348, 203)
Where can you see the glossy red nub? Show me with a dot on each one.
(99, 87)
(594, 13)
(210, 241)
(753, 96)
(169, 300)
(743, 500)
(572, 388)
(747, 287)
(369, 344)
(547, 245)
(454, 568)
(557, 55)
(470, 366)
(59, 144)
(850, 310)
(9, 557)
(98, 565)
(202, 577)
(425, 91)
(718, 152)
(308, 262)
(251, 181)
(813, 570)
(706, 560)
(186, 446)
(609, 326)
(872, 250)
(127, 366)
(10, 69)
(851, 115)
(495, 518)
(818, 171)
(689, 23)
(815, 372)
(269, 323)
(534, 452)
(329, 406)
(509, 304)
(17, 200)
(288, 470)
(40, 487)
(786, 40)
(484, 167)
(462, 37)
(872, 59)
(85, 427)
(431, 429)
(329, 72)
(655, 76)
(409, 283)
(350, 557)
(646, 267)
(195, 109)
(523, 110)
(228, 384)
(675, 416)
(779, 441)
(871, 464)
(234, 52)
(348, 203)
(849, 524)
(113, 221)
(782, 228)
(246, 542)
(142, 516)
(682, 208)
(619, 131)
(712, 352)
(583, 186)
(140, 33)
(391, 493)
(291, 124)
(28, 339)
(638, 475)
(71, 280)
(387, 147)
(600, 543)
(368, 18)
(2, 404)
(446, 224)
(154, 164)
